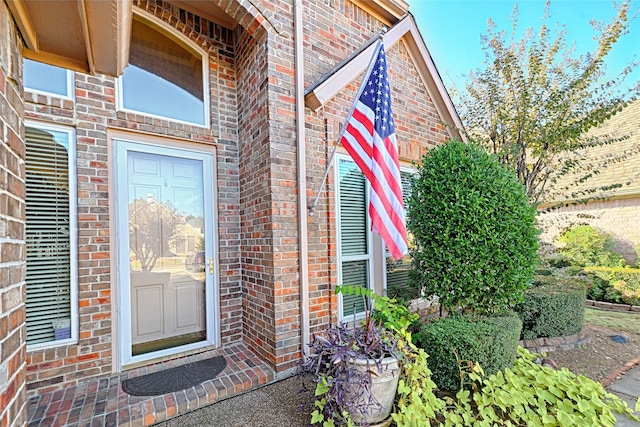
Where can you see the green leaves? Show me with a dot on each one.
(552, 307)
(474, 230)
(529, 394)
(585, 245)
(536, 99)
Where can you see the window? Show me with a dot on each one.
(51, 235)
(397, 272)
(165, 78)
(364, 260)
(355, 252)
(39, 77)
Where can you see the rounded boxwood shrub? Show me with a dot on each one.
(491, 342)
(473, 228)
(585, 245)
(552, 307)
(614, 284)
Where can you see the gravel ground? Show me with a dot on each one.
(275, 405)
(282, 403)
(601, 355)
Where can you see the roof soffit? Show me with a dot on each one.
(81, 35)
(387, 11)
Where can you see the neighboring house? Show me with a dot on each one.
(211, 120)
(615, 211)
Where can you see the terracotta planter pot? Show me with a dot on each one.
(384, 384)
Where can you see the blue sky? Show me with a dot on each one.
(452, 29)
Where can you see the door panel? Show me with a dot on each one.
(189, 316)
(147, 296)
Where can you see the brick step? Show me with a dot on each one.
(102, 401)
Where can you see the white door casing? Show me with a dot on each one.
(168, 191)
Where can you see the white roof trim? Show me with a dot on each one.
(407, 31)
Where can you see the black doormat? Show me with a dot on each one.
(175, 379)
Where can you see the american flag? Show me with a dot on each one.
(369, 137)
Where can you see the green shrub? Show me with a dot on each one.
(490, 341)
(553, 307)
(527, 395)
(534, 395)
(614, 284)
(474, 230)
(585, 245)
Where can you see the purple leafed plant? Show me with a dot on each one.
(346, 389)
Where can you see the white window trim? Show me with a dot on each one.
(369, 257)
(70, 87)
(73, 235)
(173, 34)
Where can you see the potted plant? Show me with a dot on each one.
(355, 369)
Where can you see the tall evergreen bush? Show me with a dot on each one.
(474, 230)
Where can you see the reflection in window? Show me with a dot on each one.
(163, 77)
(47, 78)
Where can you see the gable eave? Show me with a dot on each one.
(323, 90)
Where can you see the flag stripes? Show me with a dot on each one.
(369, 138)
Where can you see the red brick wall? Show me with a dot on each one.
(255, 198)
(12, 235)
(251, 72)
(344, 27)
(268, 185)
(92, 113)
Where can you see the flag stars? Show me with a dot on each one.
(375, 102)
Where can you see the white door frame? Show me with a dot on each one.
(122, 144)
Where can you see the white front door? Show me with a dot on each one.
(165, 240)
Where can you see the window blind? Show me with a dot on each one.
(353, 209)
(354, 234)
(48, 236)
(398, 271)
(354, 273)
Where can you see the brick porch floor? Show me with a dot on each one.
(102, 402)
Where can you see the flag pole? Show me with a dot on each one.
(353, 106)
